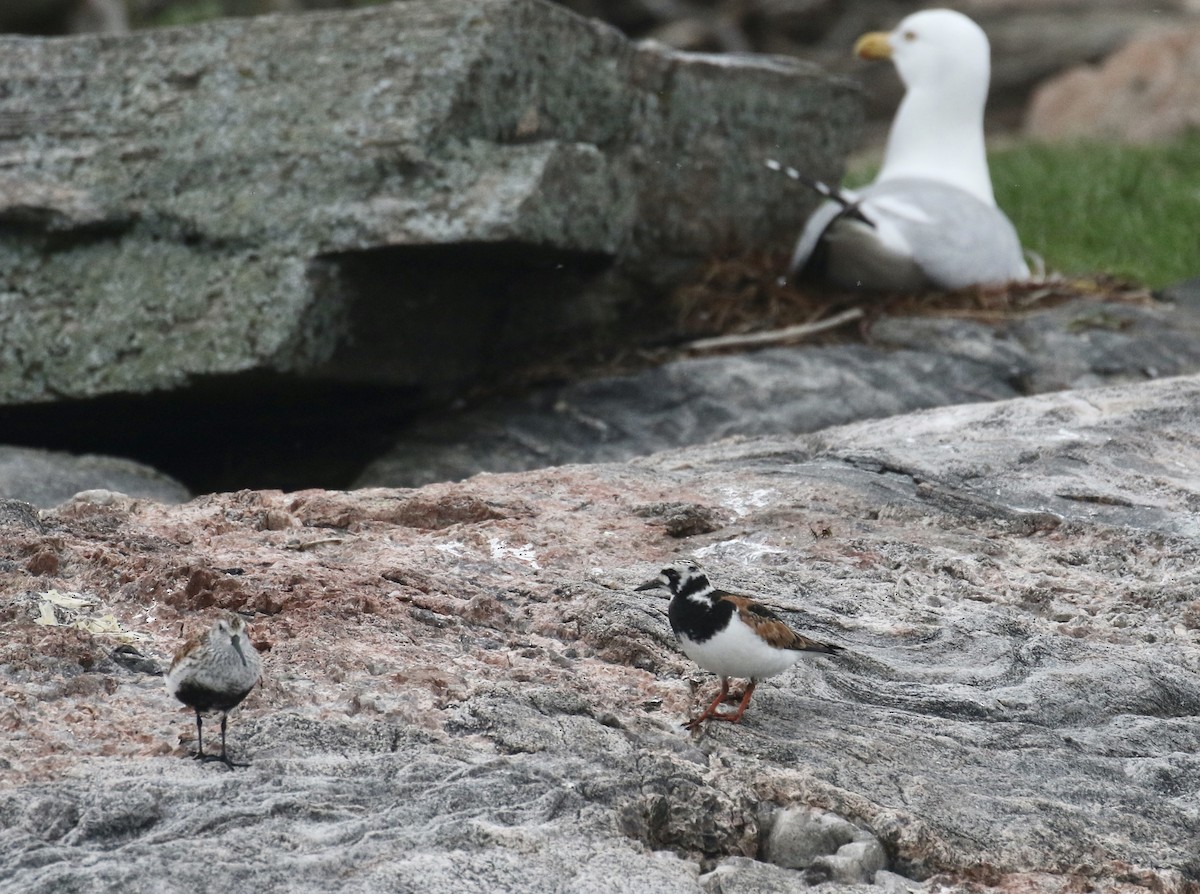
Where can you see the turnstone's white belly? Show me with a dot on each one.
(737, 651)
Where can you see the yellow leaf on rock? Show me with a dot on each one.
(46, 616)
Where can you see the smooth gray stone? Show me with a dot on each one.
(1186, 293)
(691, 401)
(47, 478)
(804, 838)
(910, 363)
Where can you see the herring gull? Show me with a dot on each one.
(930, 219)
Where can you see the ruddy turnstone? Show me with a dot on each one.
(730, 635)
(214, 671)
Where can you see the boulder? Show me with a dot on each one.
(462, 687)
(1148, 91)
(47, 478)
(416, 196)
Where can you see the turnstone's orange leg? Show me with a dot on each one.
(736, 716)
(711, 710)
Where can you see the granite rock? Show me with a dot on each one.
(47, 478)
(909, 363)
(461, 684)
(414, 196)
(742, 875)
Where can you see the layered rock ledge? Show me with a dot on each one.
(413, 197)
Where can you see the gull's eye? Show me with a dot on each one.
(910, 36)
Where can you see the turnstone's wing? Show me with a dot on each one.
(772, 628)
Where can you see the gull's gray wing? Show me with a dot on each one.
(910, 233)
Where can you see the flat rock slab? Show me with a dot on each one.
(410, 196)
(460, 681)
(910, 363)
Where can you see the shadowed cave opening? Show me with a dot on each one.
(421, 328)
(258, 430)
(449, 318)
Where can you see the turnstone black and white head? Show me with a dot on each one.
(730, 635)
(214, 672)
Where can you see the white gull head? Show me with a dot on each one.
(944, 60)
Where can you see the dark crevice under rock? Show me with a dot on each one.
(461, 316)
(435, 321)
(227, 433)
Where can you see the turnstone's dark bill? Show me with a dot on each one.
(732, 636)
(214, 672)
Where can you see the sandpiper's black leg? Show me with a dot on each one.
(224, 757)
(199, 737)
(209, 758)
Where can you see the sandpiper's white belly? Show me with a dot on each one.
(737, 651)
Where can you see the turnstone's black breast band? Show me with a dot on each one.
(697, 622)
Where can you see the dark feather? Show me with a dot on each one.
(772, 628)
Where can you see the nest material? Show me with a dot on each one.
(750, 293)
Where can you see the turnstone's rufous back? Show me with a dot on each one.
(730, 635)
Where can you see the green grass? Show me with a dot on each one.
(1098, 208)
(1092, 208)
